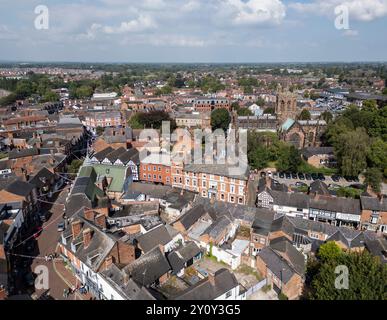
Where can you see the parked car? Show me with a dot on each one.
(61, 226)
(269, 173)
(281, 175)
(263, 174)
(294, 175)
(356, 179)
(308, 176)
(335, 178)
(275, 174)
(321, 177)
(314, 176)
(288, 175)
(348, 179)
(301, 176)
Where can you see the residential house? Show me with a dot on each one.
(374, 213)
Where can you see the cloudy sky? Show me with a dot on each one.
(194, 30)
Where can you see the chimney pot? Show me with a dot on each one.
(76, 227)
(86, 237)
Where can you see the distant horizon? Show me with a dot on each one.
(188, 62)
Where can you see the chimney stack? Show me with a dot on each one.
(86, 237)
(108, 262)
(211, 278)
(76, 227)
(89, 215)
(100, 220)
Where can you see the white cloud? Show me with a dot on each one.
(361, 10)
(171, 40)
(142, 23)
(255, 12)
(192, 5)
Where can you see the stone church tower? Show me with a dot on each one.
(286, 106)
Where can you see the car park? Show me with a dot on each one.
(301, 176)
(281, 175)
(308, 176)
(287, 175)
(294, 175)
(301, 184)
(321, 177)
(314, 176)
(335, 178)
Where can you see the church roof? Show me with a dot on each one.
(287, 124)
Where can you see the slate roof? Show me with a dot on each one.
(41, 178)
(378, 248)
(284, 247)
(311, 151)
(149, 267)
(100, 156)
(16, 153)
(192, 216)
(319, 187)
(131, 154)
(369, 203)
(343, 205)
(180, 256)
(114, 155)
(224, 281)
(98, 249)
(20, 188)
(297, 200)
(281, 268)
(153, 238)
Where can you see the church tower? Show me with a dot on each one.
(286, 106)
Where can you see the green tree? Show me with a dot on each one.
(367, 278)
(304, 115)
(326, 116)
(329, 251)
(50, 96)
(74, 166)
(269, 110)
(220, 119)
(384, 91)
(373, 178)
(244, 112)
(260, 102)
(377, 156)
(289, 158)
(351, 151)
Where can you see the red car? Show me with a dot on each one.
(38, 232)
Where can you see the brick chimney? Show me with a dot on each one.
(211, 278)
(89, 215)
(76, 227)
(87, 234)
(108, 262)
(100, 220)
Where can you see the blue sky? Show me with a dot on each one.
(193, 31)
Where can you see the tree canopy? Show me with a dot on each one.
(367, 275)
(220, 119)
